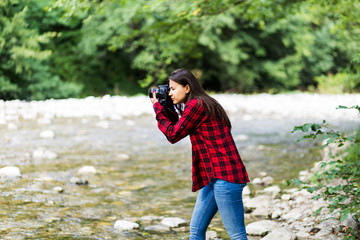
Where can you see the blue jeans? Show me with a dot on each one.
(225, 197)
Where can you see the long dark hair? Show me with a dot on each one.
(185, 77)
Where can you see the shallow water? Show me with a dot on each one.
(154, 181)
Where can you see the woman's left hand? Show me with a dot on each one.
(154, 99)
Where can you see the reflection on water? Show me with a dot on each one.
(154, 180)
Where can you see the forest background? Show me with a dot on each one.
(67, 48)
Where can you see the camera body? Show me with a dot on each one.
(162, 94)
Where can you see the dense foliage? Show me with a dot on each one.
(64, 48)
(338, 179)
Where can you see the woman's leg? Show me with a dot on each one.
(204, 210)
(228, 197)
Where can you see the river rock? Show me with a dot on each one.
(350, 222)
(157, 228)
(273, 191)
(301, 235)
(173, 221)
(246, 191)
(122, 225)
(294, 214)
(47, 134)
(261, 228)
(258, 201)
(211, 235)
(79, 181)
(10, 172)
(280, 233)
(87, 170)
(122, 156)
(58, 189)
(43, 154)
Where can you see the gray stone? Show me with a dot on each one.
(261, 228)
(258, 201)
(329, 223)
(263, 211)
(280, 233)
(273, 191)
(350, 222)
(294, 214)
(302, 235)
(173, 221)
(157, 228)
(211, 235)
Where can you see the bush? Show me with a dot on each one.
(343, 169)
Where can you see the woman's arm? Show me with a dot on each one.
(194, 114)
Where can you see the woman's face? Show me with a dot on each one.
(178, 92)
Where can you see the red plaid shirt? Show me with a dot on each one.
(214, 153)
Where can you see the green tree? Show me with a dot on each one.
(24, 69)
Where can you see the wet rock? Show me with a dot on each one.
(157, 228)
(268, 180)
(87, 170)
(173, 221)
(261, 228)
(122, 225)
(257, 181)
(43, 154)
(280, 233)
(47, 134)
(10, 172)
(211, 235)
(246, 191)
(123, 156)
(58, 189)
(79, 181)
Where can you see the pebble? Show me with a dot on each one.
(47, 134)
(87, 170)
(10, 172)
(157, 228)
(58, 189)
(261, 228)
(173, 221)
(41, 153)
(79, 181)
(122, 225)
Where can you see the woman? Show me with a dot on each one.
(217, 169)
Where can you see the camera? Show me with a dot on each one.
(162, 95)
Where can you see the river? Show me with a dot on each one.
(138, 173)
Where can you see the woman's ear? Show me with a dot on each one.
(187, 88)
